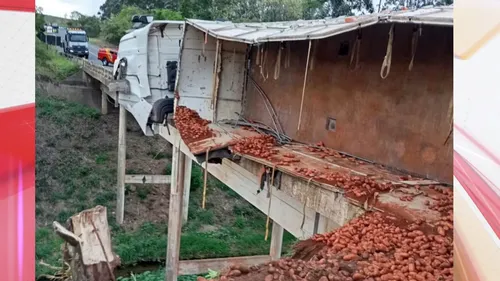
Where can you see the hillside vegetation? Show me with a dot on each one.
(49, 64)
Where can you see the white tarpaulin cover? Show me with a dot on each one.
(318, 29)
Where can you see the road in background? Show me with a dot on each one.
(93, 49)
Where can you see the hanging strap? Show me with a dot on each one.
(258, 55)
(263, 66)
(277, 66)
(204, 43)
(414, 41)
(287, 55)
(386, 65)
(355, 52)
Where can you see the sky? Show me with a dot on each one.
(61, 8)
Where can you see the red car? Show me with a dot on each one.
(107, 55)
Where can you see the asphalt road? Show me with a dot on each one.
(93, 49)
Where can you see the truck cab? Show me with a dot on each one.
(147, 63)
(76, 42)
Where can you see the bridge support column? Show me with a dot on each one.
(175, 214)
(276, 241)
(122, 159)
(187, 187)
(104, 103)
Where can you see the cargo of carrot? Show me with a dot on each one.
(373, 247)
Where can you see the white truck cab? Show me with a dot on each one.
(76, 42)
(147, 64)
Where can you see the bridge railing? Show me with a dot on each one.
(97, 71)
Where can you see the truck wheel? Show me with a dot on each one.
(161, 108)
(105, 62)
(87, 57)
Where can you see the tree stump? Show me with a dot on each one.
(87, 248)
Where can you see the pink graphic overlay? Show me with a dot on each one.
(17, 141)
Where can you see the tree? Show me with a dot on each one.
(39, 20)
(413, 4)
(166, 14)
(75, 15)
(113, 7)
(117, 25)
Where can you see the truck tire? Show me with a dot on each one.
(87, 57)
(161, 108)
(105, 62)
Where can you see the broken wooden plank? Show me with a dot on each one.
(189, 267)
(66, 235)
(419, 182)
(148, 179)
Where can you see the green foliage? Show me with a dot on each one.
(59, 110)
(92, 25)
(113, 7)
(166, 14)
(39, 19)
(50, 64)
(158, 275)
(117, 25)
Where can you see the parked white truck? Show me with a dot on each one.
(154, 47)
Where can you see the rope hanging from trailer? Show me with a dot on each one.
(450, 118)
(269, 106)
(417, 32)
(355, 52)
(203, 45)
(386, 65)
(263, 65)
(305, 205)
(277, 65)
(288, 53)
(257, 60)
(205, 177)
(304, 85)
(270, 187)
(313, 55)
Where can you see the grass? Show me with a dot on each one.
(158, 275)
(75, 172)
(50, 64)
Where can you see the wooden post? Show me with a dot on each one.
(187, 187)
(122, 159)
(175, 214)
(276, 241)
(88, 248)
(104, 103)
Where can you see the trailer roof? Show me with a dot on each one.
(252, 33)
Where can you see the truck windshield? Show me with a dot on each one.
(77, 38)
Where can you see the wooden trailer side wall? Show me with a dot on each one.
(402, 121)
(196, 75)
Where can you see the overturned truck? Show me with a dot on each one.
(346, 124)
